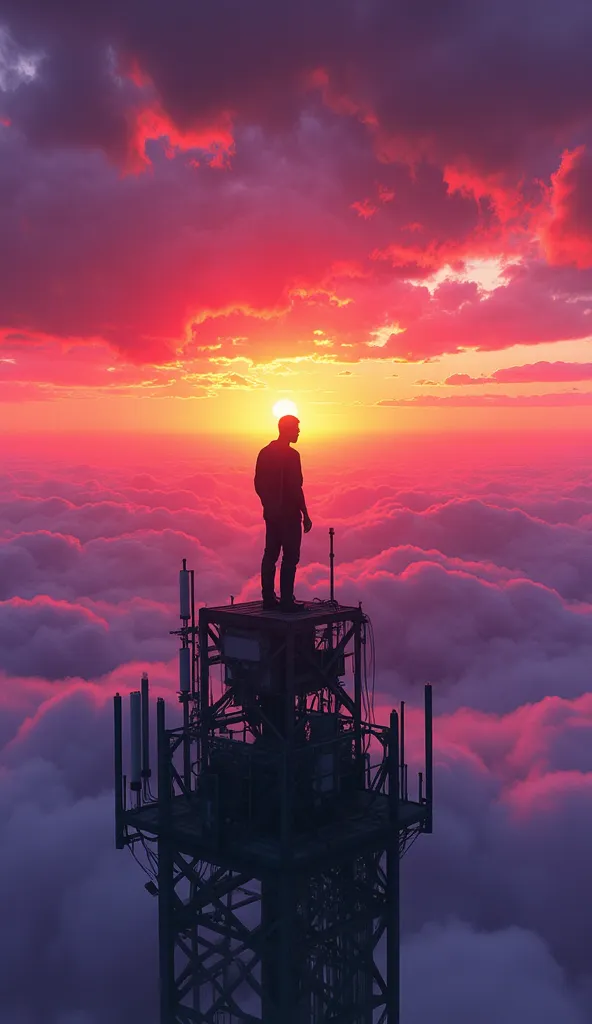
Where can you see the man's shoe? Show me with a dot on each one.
(291, 606)
(270, 604)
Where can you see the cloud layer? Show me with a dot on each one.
(481, 583)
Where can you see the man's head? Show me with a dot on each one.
(289, 428)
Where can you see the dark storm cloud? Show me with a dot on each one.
(463, 77)
(422, 117)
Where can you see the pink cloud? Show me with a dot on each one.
(529, 374)
(152, 123)
(565, 225)
(564, 398)
(364, 208)
(473, 560)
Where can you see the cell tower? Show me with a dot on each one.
(282, 811)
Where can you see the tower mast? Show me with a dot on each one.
(281, 815)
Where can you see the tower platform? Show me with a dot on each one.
(251, 613)
(365, 829)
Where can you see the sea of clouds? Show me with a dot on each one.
(473, 559)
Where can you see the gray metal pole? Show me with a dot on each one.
(429, 779)
(166, 931)
(186, 745)
(118, 752)
(166, 925)
(193, 634)
(402, 753)
(393, 952)
(163, 755)
(145, 705)
(285, 968)
(204, 691)
(360, 766)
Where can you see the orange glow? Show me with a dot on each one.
(284, 407)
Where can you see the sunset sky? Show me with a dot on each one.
(381, 211)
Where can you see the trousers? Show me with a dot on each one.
(283, 535)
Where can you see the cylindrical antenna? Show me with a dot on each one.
(145, 727)
(136, 740)
(393, 766)
(186, 746)
(192, 640)
(402, 750)
(185, 669)
(117, 711)
(331, 564)
(429, 766)
(184, 593)
(163, 755)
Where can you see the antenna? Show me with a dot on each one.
(331, 563)
(187, 660)
(402, 750)
(119, 781)
(145, 708)
(184, 669)
(184, 593)
(429, 758)
(136, 740)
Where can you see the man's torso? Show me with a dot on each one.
(278, 481)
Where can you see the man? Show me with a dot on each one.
(278, 482)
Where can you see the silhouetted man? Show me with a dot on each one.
(278, 482)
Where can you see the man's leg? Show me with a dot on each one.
(291, 541)
(273, 545)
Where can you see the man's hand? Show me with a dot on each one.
(307, 524)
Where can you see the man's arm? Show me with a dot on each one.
(302, 501)
(257, 481)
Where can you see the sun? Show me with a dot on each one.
(284, 408)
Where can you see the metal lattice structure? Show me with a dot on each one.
(281, 815)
